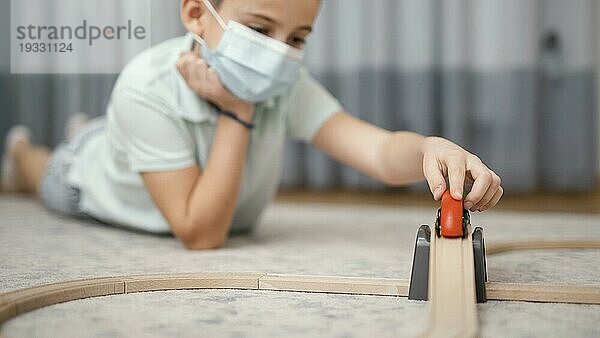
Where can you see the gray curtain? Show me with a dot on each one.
(44, 101)
(511, 80)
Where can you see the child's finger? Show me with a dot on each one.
(456, 176)
(188, 59)
(483, 180)
(185, 57)
(494, 200)
(200, 69)
(491, 191)
(183, 64)
(435, 179)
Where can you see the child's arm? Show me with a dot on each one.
(400, 158)
(199, 206)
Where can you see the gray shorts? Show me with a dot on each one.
(55, 192)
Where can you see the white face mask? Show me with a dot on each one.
(251, 65)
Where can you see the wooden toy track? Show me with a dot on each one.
(15, 303)
(449, 269)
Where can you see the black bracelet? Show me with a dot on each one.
(235, 117)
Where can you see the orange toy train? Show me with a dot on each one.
(452, 219)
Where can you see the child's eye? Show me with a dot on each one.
(260, 30)
(298, 42)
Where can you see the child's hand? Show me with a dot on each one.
(442, 158)
(205, 82)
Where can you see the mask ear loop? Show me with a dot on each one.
(197, 39)
(217, 17)
(214, 13)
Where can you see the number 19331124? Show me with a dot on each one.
(37, 47)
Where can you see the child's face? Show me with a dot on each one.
(289, 21)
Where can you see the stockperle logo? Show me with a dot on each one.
(74, 36)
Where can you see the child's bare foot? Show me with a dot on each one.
(11, 178)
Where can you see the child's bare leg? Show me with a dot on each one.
(31, 162)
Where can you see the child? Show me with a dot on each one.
(192, 145)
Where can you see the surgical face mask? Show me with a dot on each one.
(251, 65)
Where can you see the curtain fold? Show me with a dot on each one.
(511, 80)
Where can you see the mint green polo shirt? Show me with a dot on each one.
(155, 123)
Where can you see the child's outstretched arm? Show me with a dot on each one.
(400, 158)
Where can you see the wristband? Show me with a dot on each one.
(233, 116)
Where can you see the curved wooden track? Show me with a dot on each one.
(15, 303)
(498, 248)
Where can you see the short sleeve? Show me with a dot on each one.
(310, 106)
(152, 139)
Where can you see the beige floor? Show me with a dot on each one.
(38, 247)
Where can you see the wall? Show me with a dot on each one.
(4, 36)
(598, 76)
(6, 118)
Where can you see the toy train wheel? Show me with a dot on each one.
(437, 223)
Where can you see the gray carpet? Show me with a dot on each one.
(39, 247)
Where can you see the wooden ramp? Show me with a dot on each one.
(453, 303)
